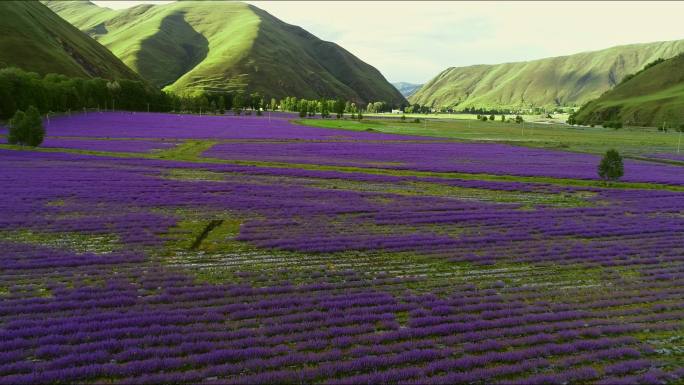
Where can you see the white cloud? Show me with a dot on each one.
(413, 41)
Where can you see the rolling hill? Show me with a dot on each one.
(190, 46)
(35, 39)
(558, 81)
(407, 89)
(653, 97)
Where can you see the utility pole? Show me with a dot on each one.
(679, 142)
(148, 107)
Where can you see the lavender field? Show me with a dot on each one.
(161, 248)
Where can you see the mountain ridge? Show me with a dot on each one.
(569, 80)
(35, 39)
(407, 89)
(652, 97)
(206, 46)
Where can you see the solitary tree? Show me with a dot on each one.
(611, 167)
(519, 119)
(26, 129)
(492, 117)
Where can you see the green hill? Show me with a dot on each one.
(35, 39)
(191, 46)
(558, 81)
(654, 97)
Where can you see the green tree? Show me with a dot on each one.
(323, 108)
(237, 104)
(611, 167)
(222, 105)
(492, 117)
(339, 107)
(519, 119)
(26, 128)
(255, 100)
(503, 118)
(114, 88)
(16, 134)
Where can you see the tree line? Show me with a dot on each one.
(20, 90)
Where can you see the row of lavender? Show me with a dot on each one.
(122, 317)
(152, 326)
(481, 158)
(279, 140)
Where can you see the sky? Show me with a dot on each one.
(414, 41)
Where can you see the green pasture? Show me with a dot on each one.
(629, 141)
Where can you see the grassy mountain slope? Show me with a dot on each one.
(651, 98)
(189, 46)
(407, 89)
(557, 81)
(34, 38)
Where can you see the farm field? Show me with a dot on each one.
(558, 118)
(162, 248)
(639, 142)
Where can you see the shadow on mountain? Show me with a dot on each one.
(172, 51)
(99, 29)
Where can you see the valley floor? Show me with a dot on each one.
(162, 248)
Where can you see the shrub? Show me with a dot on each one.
(611, 167)
(26, 129)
